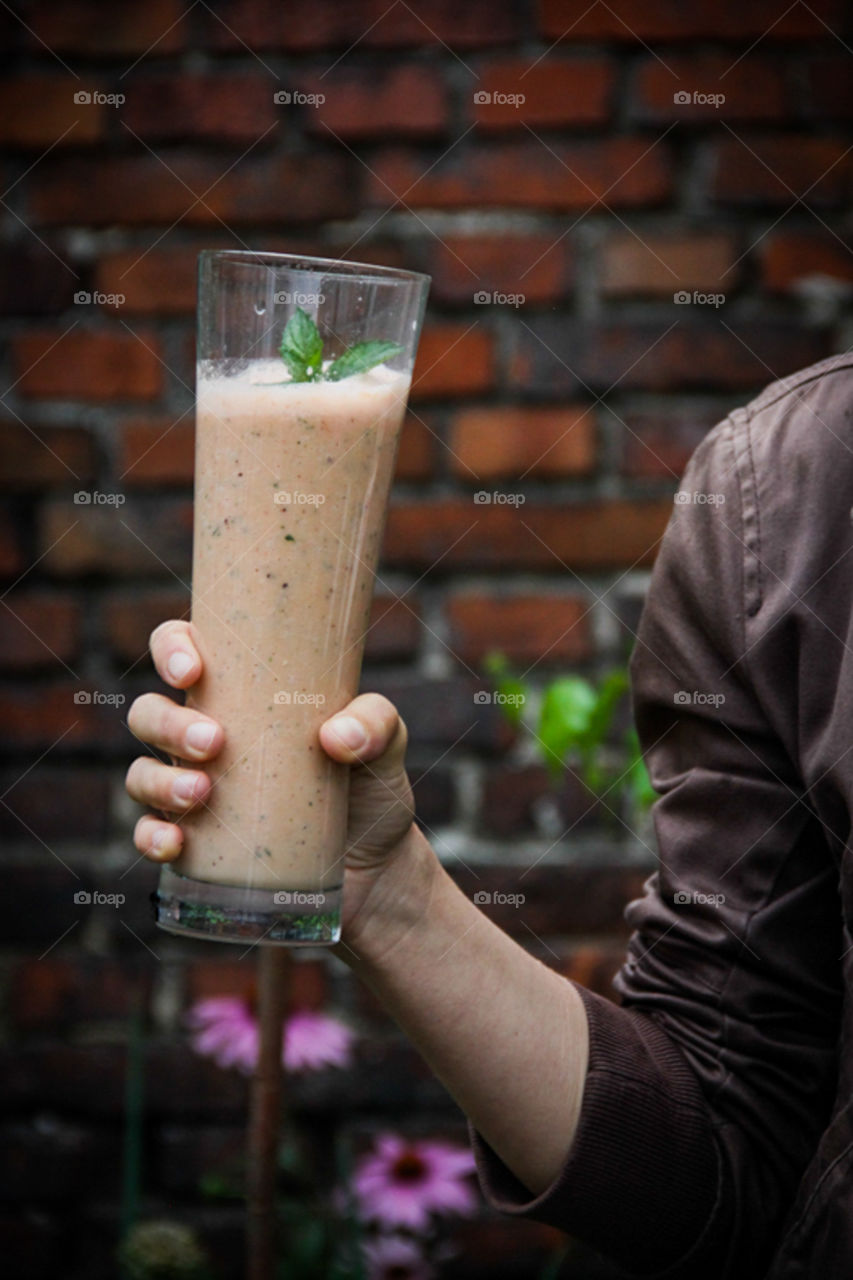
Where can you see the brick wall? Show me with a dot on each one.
(598, 198)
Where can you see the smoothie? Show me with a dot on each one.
(292, 480)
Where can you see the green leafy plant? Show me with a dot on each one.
(302, 352)
(574, 728)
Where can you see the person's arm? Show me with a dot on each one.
(505, 1034)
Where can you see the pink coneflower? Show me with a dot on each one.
(393, 1258)
(225, 1028)
(400, 1183)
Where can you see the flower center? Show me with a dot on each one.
(409, 1167)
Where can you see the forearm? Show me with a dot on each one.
(505, 1034)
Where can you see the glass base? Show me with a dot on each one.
(229, 913)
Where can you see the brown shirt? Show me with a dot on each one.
(716, 1132)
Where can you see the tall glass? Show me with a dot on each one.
(294, 461)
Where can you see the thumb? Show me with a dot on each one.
(368, 729)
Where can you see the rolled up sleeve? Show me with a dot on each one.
(709, 1084)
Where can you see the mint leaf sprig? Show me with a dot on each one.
(302, 351)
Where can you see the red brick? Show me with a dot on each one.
(51, 1161)
(537, 266)
(42, 111)
(45, 457)
(594, 966)
(416, 455)
(394, 630)
(527, 628)
(151, 538)
(82, 27)
(559, 900)
(50, 993)
(492, 1241)
(161, 281)
(227, 107)
(34, 280)
(594, 535)
(86, 364)
(503, 441)
(375, 103)
(307, 982)
(129, 618)
(12, 558)
(829, 82)
(196, 190)
(439, 712)
(789, 257)
(55, 802)
(512, 795)
(696, 352)
(556, 91)
(158, 451)
(661, 264)
(38, 629)
(453, 360)
(265, 24)
(753, 89)
(35, 717)
(659, 444)
(664, 20)
(779, 168)
(619, 171)
(434, 792)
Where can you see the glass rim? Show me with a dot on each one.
(307, 262)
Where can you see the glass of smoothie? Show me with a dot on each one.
(303, 372)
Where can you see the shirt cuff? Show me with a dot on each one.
(641, 1182)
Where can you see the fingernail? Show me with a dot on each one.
(158, 840)
(200, 735)
(179, 665)
(351, 732)
(185, 787)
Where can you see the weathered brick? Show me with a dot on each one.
(789, 258)
(512, 794)
(394, 629)
(754, 88)
(227, 107)
(506, 442)
(13, 558)
(527, 628)
(46, 111)
(659, 444)
(186, 1154)
(557, 899)
(156, 452)
(54, 993)
(654, 20)
(778, 169)
(441, 712)
(660, 264)
(145, 538)
(38, 629)
(556, 91)
(453, 360)
(44, 902)
(595, 535)
(416, 455)
(594, 966)
(829, 82)
(538, 267)
(263, 24)
(434, 793)
(45, 457)
(162, 281)
(35, 279)
(376, 102)
(307, 982)
(130, 617)
(195, 190)
(52, 802)
(563, 356)
(617, 171)
(79, 27)
(38, 716)
(86, 364)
